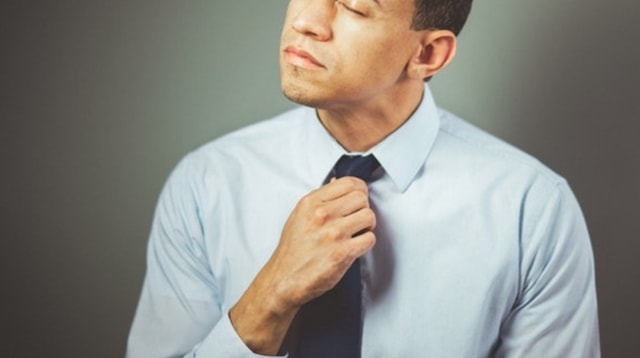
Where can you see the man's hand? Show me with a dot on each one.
(328, 229)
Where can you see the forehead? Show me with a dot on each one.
(395, 6)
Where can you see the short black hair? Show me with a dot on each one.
(441, 14)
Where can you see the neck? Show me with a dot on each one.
(359, 127)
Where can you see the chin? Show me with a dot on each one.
(301, 94)
(297, 95)
(298, 87)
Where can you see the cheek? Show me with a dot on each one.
(380, 61)
(381, 53)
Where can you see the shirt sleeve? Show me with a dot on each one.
(556, 312)
(179, 313)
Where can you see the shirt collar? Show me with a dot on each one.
(401, 154)
(324, 151)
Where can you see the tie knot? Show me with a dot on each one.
(355, 165)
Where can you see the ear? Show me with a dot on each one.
(437, 50)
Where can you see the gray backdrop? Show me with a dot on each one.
(99, 100)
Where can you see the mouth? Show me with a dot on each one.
(301, 58)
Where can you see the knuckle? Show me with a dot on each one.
(367, 241)
(360, 184)
(339, 256)
(372, 217)
(320, 215)
(361, 197)
(351, 183)
(368, 217)
(332, 233)
(371, 238)
(365, 200)
(306, 201)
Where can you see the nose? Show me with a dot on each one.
(314, 19)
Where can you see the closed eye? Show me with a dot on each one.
(350, 9)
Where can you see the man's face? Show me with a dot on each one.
(346, 51)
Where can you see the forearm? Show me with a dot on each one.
(261, 319)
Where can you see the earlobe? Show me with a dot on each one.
(437, 50)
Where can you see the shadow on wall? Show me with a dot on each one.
(578, 110)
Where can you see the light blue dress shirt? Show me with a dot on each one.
(481, 250)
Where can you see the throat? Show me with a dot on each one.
(361, 131)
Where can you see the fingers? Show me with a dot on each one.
(339, 198)
(347, 204)
(356, 223)
(337, 188)
(347, 251)
(361, 244)
(359, 226)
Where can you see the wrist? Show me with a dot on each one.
(262, 316)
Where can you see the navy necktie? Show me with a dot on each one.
(331, 325)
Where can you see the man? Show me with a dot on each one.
(463, 246)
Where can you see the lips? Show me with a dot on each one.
(299, 57)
